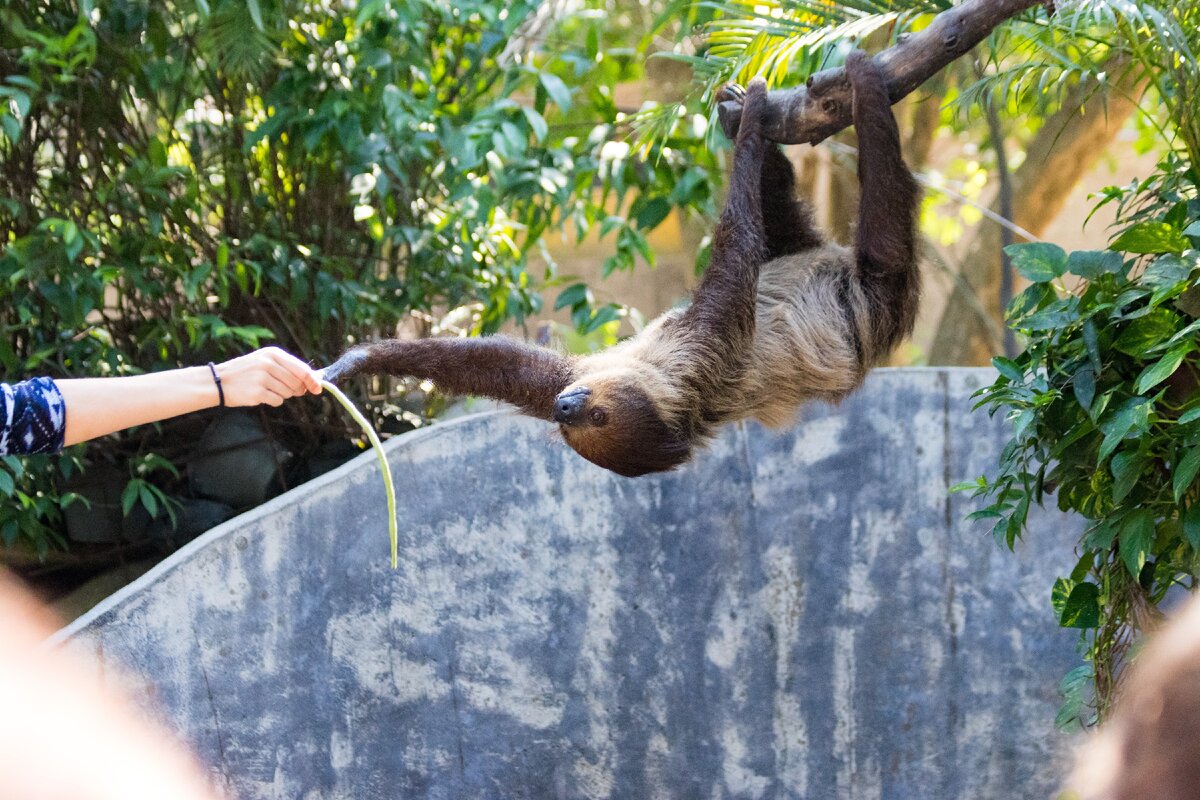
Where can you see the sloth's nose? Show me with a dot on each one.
(568, 406)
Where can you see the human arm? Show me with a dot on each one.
(723, 305)
(99, 406)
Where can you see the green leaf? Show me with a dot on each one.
(1145, 332)
(1135, 540)
(1085, 387)
(557, 90)
(1038, 261)
(1100, 536)
(1162, 369)
(1191, 526)
(8, 533)
(1191, 415)
(1072, 688)
(1059, 594)
(573, 295)
(969, 486)
(12, 129)
(1091, 340)
(1133, 413)
(129, 496)
(1082, 567)
(1185, 472)
(653, 213)
(1009, 369)
(537, 123)
(255, 13)
(1091, 264)
(1082, 608)
(1168, 271)
(1151, 237)
(7, 485)
(602, 317)
(148, 499)
(1126, 469)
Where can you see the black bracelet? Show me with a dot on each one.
(217, 380)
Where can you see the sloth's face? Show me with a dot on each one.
(611, 422)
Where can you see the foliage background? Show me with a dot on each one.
(183, 181)
(1105, 396)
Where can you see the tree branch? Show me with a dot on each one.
(821, 108)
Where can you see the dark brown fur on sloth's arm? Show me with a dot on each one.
(529, 377)
(885, 242)
(718, 327)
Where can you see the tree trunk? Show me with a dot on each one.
(1061, 153)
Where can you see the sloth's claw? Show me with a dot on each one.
(729, 108)
(731, 92)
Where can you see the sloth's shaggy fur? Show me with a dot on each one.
(781, 316)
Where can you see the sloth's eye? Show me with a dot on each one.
(598, 416)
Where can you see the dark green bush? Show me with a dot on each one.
(1105, 408)
(1105, 398)
(180, 182)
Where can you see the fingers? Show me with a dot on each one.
(275, 391)
(302, 377)
(268, 376)
(291, 383)
(730, 92)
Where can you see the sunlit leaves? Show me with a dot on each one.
(1151, 237)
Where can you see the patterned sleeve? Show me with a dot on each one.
(32, 417)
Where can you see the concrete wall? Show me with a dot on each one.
(799, 615)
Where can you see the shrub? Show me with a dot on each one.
(181, 181)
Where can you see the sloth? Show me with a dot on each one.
(781, 316)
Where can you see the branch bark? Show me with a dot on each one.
(821, 108)
(1062, 152)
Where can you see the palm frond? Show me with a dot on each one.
(1033, 62)
(785, 39)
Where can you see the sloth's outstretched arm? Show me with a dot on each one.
(493, 366)
(722, 310)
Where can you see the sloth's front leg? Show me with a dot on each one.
(724, 302)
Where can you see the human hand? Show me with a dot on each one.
(269, 375)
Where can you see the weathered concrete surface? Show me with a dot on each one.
(797, 615)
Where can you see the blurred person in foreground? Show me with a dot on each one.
(64, 735)
(1149, 749)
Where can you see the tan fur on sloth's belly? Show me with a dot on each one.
(803, 345)
(803, 348)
